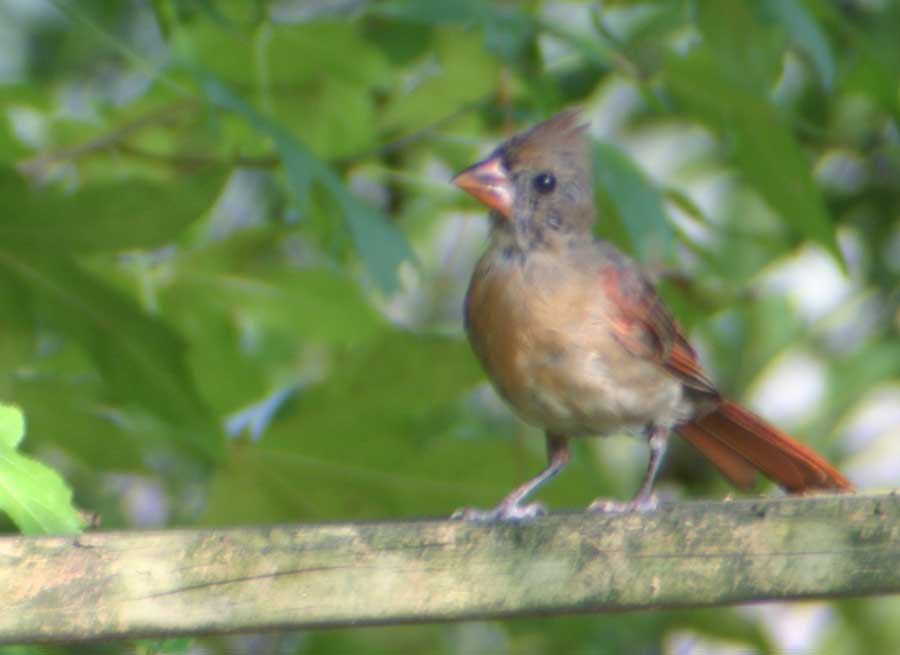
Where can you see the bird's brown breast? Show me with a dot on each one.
(538, 325)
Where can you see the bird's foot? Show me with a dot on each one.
(502, 512)
(637, 504)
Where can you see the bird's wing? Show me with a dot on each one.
(642, 323)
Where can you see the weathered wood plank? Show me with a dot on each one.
(179, 582)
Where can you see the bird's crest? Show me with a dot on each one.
(561, 135)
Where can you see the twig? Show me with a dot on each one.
(194, 161)
(38, 167)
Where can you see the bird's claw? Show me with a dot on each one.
(502, 512)
(609, 506)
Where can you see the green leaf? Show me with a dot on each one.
(33, 495)
(637, 201)
(805, 32)
(870, 64)
(747, 49)
(12, 426)
(68, 412)
(11, 148)
(142, 359)
(109, 216)
(764, 151)
(294, 55)
(171, 646)
(852, 375)
(301, 73)
(286, 310)
(349, 439)
(435, 13)
(381, 246)
(308, 304)
(309, 115)
(507, 28)
(319, 50)
(462, 73)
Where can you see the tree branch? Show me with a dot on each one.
(179, 582)
(38, 167)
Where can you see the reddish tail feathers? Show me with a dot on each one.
(739, 443)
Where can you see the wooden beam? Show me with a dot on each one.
(104, 585)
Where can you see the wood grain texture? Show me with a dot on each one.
(106, 585)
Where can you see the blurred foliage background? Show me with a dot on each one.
(231, 264)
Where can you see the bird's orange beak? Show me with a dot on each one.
(488, 182)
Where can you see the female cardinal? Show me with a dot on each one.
(573, 335)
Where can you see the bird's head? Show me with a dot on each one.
(538, 184)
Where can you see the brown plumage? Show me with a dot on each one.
(573, 335)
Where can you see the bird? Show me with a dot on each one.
(575, 338)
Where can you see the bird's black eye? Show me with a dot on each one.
(544, 182)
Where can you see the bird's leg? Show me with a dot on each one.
(510, 508)
(643, 499)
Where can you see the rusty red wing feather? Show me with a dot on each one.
(644, 326)
(683, 362)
